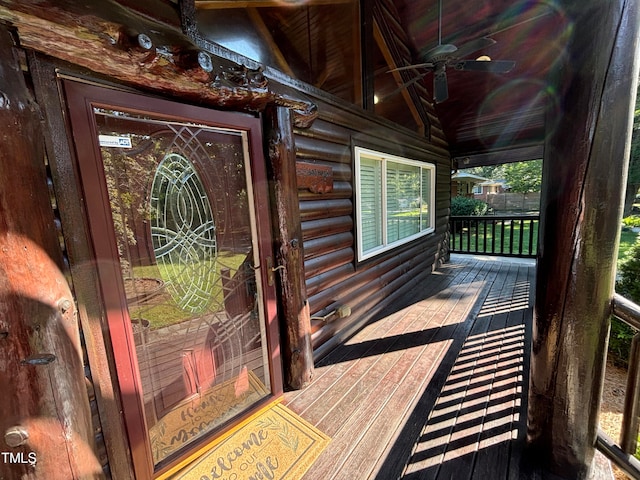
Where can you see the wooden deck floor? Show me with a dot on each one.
(435, 388)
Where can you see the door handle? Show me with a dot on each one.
(271, 270)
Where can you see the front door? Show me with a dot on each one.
(177, 208)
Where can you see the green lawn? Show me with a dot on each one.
(169, 309)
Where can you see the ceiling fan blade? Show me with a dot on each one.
(411, 67)
(492, 66)
(473, 46)
(440, 87)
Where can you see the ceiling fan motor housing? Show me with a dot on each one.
(440, 53)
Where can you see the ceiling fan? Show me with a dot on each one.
(440, 57)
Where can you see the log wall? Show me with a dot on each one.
(333, 275)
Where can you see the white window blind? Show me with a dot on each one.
(371, 203)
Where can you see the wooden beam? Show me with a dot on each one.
(585, 166)
(297, 351)
(388, 56)
(365, 56)
(360, 39)
(165, 64)
(44, 404)
(188, 23)
(499, 157)
(264, 32)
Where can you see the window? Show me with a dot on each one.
(395, 199)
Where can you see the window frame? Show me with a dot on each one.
(384, 158)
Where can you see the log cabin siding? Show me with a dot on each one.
(333, 276)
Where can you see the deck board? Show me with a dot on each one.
(433, 387)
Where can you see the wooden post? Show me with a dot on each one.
(297, 354)
(45, 421)
(584, 174)
(367, 44)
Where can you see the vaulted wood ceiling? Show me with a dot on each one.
(488, 118)
(489, 112)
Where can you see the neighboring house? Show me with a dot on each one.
(466, 184)
(490, 187)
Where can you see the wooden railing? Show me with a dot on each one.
(622, 455)
(512, 235)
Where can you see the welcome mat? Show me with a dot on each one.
(276, 444)
(196, 417)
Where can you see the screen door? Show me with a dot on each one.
(177, 210)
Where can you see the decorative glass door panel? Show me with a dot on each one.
(181, 214)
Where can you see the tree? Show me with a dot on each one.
(523, 177)
(633, 179)
(487, 171)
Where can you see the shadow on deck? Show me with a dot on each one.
(436, 387)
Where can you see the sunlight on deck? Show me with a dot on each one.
(478, 406)
(433, 389)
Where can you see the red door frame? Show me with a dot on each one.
(80, 100)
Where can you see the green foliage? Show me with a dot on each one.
(633, 175)
(627, 239)
(620, 342)
(523, 177)
(486, 171)
(629, 270)
(628, 285)
(631, 221)
(634, 158)
(467, 206)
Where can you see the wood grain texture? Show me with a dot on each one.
(435, 387)
(297, 352)
(581, 206)
(46, 399)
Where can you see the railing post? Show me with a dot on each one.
(532, 224)
(521, 237)
(470, 234)
(629, 433)
(484, 232)
(493, 236)
(584, 173)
